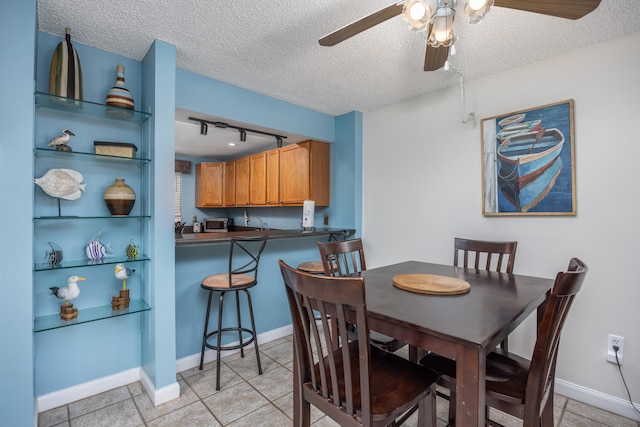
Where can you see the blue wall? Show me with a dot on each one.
(18, 30)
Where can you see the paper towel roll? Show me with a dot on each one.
(308, 212)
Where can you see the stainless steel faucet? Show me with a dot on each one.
(263, 225)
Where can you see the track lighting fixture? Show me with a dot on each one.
(243, 131)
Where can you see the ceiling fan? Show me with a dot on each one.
(436, 18)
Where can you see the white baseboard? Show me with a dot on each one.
(159, 396)
(193, 360)
(595, 398)
(165, 394)
(90, 388)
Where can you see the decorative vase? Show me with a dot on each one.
(119, 198)
(65, 75)
(119, 95)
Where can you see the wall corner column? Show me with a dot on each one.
(159, 341)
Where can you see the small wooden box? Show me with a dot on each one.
(119, 149)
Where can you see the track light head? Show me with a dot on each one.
(203, 128)
(243, 135)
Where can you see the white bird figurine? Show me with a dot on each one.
(69, 292)
(123, 273)
(61, 140)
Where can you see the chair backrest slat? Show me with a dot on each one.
(543, 362)
(494, 254)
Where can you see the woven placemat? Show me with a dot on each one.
(431, 284)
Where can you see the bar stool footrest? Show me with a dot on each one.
(229, 347)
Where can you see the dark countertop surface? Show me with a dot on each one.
(222, 237)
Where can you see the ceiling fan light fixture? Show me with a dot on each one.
(442, 31)
(477, 9)
(417, 14)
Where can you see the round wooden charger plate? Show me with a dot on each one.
(431, 284)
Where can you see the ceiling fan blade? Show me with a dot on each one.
(569, 9)
(362, 24)
(435, 57)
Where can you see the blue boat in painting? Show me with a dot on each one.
(526, 156)
(514, 129)
(527, 197)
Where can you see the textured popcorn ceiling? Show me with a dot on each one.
(271, 46)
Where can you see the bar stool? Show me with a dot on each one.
(316, 267)
(244, 256)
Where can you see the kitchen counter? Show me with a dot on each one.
(240, 232)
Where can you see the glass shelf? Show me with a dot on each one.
(68, 217)
(86, 315)
(77, 155)
(75, 263)
(89, 108)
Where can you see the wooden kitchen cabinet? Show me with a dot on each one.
(258, 179)
(242, 182)
(209, 179)
(304, 173)
(273, 177)
(229, 184)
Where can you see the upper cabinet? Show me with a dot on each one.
(304, 173)
(242, 182)
(273, 177)
(284, 176)
(229, 189)
(209, 176)
(258, 179)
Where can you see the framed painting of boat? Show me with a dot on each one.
(528, 162)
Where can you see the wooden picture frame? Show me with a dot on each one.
(528, 162)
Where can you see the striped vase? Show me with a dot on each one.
(119, 95)
(65, 75)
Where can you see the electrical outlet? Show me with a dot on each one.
(615, 340)
(326, 219)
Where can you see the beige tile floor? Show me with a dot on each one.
(247, 399)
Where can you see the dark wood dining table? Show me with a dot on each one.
(463, 327)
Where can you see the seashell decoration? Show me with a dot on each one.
(62, 183)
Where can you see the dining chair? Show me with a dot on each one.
(356, 384)
(492, 254)
(485, 255)
(242, 274)
(515, 385)
(344, 258)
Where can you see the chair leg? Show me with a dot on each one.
(220, 304)
(206, 326)
(427, 410)
(504, 345)
(452, 405)
(253, 329)
(239, 323)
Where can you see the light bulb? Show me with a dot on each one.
(452, 50)
(417, 11)
(477, 4)
(446, 65)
